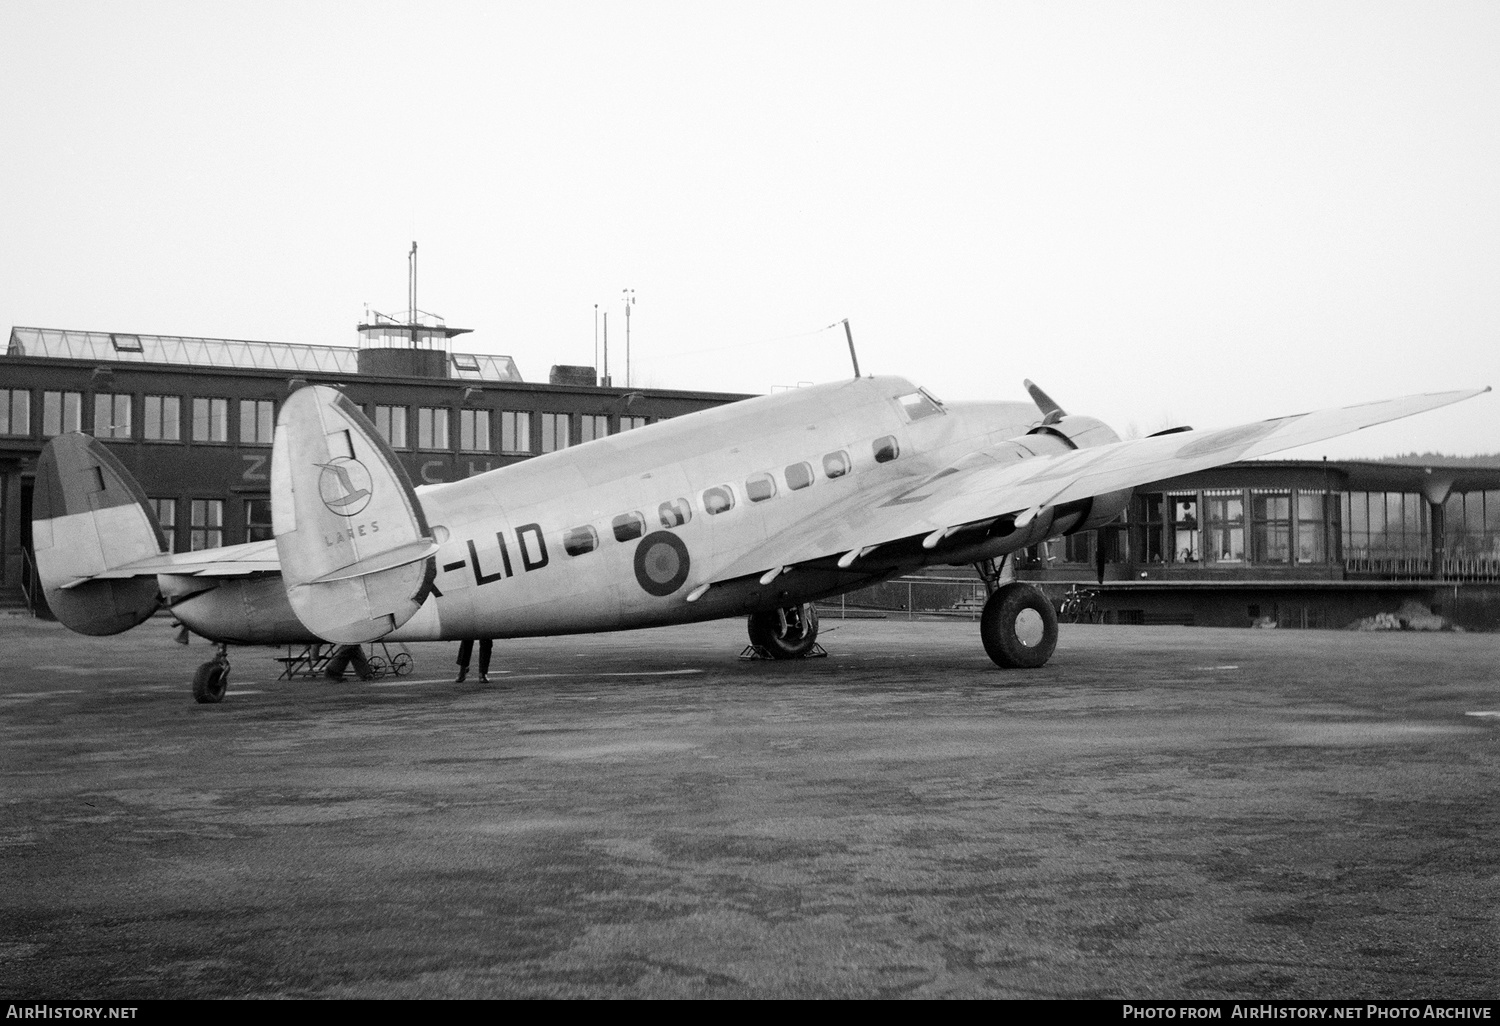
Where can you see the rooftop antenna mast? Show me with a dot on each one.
(411, 291)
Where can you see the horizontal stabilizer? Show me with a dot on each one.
(89, 517)
(354, 546)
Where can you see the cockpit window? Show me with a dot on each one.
(919, 404)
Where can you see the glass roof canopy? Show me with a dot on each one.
(104, 346)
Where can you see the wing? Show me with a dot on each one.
(229, 561)
(981, 488)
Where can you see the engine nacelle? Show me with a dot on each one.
(1078, 431)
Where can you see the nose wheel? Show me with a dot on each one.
(212, 679)
(1018, 627)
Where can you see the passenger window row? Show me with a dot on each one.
(720, 498)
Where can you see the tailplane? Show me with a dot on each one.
(89, 516)
(355, 548)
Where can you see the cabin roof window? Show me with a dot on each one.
(919, 404)
(718, 499)
(628, 526)
(760, 487)
(886, 449)
(579, 540)
(836, 464)
(674, 512)
(799, 475)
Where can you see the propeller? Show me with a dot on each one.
(1051, 412)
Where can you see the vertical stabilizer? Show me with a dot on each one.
(88, 515)
(355, 548)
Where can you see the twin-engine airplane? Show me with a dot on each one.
(757, 508)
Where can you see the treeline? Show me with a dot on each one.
(1437, 459)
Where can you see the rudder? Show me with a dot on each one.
(89, 515)
(354, 545)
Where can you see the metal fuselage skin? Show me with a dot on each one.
(507, 565)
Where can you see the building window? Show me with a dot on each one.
(631, 423)
(111, 415)
(207, 524)
(1153, 527)
(432, 428)
(258, 520)
(592, 426)
(61, 412)
(390, 421)
(1270, 527)
(210, 420)
(257, 421)
(1312, 530)
(1471, 526)
(1183, 543)
(163, 418)
(554, 431)
(166, 516)
(515, 431)
(15, 411)
(1224, 527)
(1385, 526)
(474, 430)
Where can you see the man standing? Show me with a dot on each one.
(466, 649)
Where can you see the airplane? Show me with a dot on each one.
(758, 508)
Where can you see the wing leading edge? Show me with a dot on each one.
(976, 489)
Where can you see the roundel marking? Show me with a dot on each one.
(344, 486)
(661, 563)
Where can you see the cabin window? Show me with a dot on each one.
(886, 449)
(628, 526)
(798, 475)
(760, 487)
(917, 405)
(675, 512)
(836, 464)
(718, 499)
(579, 540)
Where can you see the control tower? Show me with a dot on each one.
(414, 347)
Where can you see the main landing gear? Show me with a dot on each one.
(1018, 627)
(212, 678)
(787, 633)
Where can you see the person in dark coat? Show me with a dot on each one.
(349, 655)
(466, 649)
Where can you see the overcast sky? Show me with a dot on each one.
(1161, 212)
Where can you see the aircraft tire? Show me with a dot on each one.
(788, 633)
(210, 682)
(1018, 627)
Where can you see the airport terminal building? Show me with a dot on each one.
(192, 418)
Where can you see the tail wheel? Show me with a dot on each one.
(1018, 627)
(210, 682)
(787, 633)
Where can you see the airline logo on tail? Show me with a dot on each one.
(344, 486)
